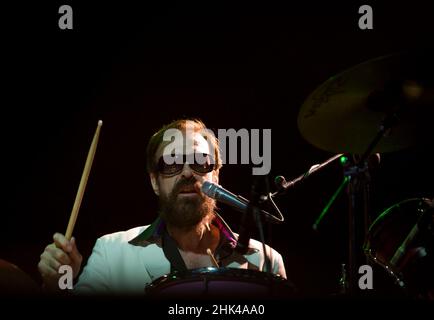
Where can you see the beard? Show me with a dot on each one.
(185, 212)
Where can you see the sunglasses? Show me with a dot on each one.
(170, 165)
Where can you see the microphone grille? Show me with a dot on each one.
(209, 189)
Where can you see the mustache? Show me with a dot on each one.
(184, 183)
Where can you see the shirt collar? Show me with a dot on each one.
(154, 231)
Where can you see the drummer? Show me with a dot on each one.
(187, 234)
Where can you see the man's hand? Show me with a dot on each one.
(61, 252)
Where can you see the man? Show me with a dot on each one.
(188, 233)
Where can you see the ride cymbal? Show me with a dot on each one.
(345, 113)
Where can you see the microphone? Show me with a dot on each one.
(279, 181)
(219, 193)
(282, 184)
(239, 203)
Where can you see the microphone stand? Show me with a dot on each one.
(358, 191)
(252, 215)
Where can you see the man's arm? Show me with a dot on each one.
(278, 265)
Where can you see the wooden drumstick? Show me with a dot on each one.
(213, 260)
(83, 182)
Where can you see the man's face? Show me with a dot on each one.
(181, 202)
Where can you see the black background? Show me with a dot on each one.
(138, 67)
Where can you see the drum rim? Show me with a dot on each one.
(371, 253)
(214, 273)
(385, 212)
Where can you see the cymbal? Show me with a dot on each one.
(345, 113)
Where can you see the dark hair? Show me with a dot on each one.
(181, 124)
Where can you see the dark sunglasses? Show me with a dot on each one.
(173, 164)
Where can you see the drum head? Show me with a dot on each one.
(401, 242)
(224, 283)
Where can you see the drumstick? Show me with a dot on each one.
(83, 182)
(213, 260)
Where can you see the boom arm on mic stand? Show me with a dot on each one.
(283, 185)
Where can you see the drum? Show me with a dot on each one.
(401, 242)
(14, 281)
(224, 283)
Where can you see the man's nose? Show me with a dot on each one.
(186, 171)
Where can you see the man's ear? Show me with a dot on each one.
(154, 182)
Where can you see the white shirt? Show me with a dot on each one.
(116, 266)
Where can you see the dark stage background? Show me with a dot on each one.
(138, 67)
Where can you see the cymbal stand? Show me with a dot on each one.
(357, 179)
